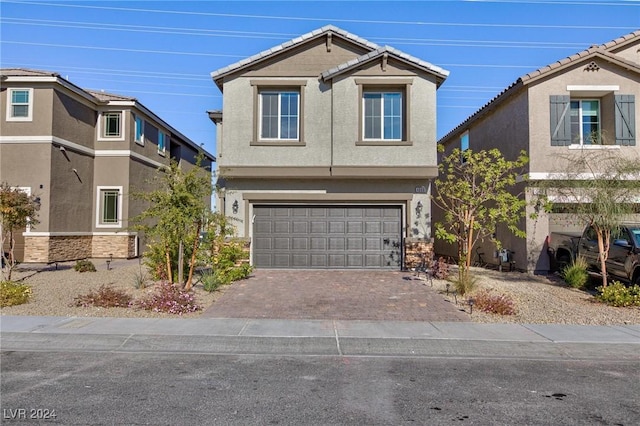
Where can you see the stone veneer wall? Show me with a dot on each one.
(415, 251)
(118, 246)
(64, 248)
(56, 248)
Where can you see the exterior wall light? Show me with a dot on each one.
(235, 206)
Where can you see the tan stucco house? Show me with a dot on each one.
(583, 102)
(81, 153)
(325, 146)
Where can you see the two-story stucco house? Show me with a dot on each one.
(325, 148)
(583, 102)
(81, 153)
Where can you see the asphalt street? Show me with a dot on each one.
(246, 372)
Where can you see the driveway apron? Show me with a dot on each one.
(334, 294)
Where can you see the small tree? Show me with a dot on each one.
(475, 192)
(17, 210)
(600, 188)
(175, 218)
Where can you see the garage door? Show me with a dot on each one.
(327, 236)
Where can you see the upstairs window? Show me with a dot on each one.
(464, 146)
(279, 115)
(383, 117)
(139, 130)
(111, 126)
(21, 105)
(163, 142)
(585, 122)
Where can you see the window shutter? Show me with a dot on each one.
(560, 120)
(625, 120)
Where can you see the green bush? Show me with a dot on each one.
(104, 297)
(84, 266)
(576, 274)
(617, 294)
(464, 285)
(12, 293)
(494, 304)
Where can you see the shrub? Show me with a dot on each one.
(140, 280)
(84, 266)
(170, 299)
(495, 304)
(104, 297)
(617, 294)
(440, 269)
(464, 285)
(12, 293)
(576, 274)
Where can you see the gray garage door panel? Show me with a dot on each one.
(327, 236)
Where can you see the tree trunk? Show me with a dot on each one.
(189, 284)
(603, 254)
(181, 263)
(168, 260)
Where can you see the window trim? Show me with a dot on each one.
(581, 123)
(260, 86)
(402, 85)
(100, 207)
(136, 117)
(101, 126)
(10, 104)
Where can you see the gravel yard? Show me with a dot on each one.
(537, 299)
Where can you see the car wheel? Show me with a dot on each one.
(562, 262)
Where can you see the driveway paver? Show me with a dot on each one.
(334, 294)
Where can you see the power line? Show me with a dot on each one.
(277, 36)
(357, 21)
(121, 49)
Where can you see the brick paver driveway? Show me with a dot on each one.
(334, 294)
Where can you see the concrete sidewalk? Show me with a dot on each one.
(320, 337)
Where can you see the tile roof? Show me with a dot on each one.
(602, 50)
(106, 97)
(26, 72)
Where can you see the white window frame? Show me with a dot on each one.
(165, 142)
(100, 206)
(101, 126)
(382, 115)
(10, 104)
(279, 92)
(581, 124)
(136, 118)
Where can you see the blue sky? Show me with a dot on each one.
(162, 52)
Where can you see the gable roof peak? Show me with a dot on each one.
(327, 29)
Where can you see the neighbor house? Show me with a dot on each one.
(326, 145)
(583, 102)
(81, 153)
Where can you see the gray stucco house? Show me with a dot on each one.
(583, 102)
(325, 148)
(81, 153)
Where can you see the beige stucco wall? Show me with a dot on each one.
(346, 122)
